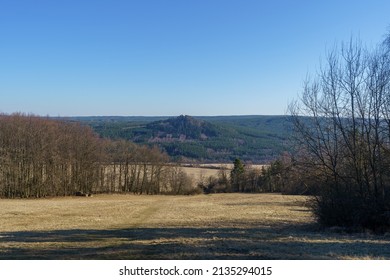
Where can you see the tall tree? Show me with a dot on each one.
(237, 176)
(342, 134)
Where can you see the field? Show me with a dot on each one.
(207, 170)
(218, 226)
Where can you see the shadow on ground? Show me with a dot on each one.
(191, 243)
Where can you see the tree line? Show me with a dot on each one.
(245, 178)
(42, 157)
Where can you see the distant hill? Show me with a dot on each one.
(181, 129)
(256, 139)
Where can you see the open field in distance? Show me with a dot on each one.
(211, 169)
(218, 226)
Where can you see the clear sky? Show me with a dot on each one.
(170, 57)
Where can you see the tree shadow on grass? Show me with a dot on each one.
(266, 242)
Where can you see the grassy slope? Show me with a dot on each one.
(223, 226)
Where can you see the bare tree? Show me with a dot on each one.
(341, 125)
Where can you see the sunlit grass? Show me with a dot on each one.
(218, 226)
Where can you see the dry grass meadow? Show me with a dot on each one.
(218, 226)
(201, 171)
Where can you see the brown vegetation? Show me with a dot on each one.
(220, 226)
(42, 157)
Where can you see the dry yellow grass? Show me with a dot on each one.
(199, 174)
(210, 169)
(220, 226)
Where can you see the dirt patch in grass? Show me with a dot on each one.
(220, 226)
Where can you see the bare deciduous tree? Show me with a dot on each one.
(342, 130)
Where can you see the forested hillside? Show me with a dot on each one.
(256, 139)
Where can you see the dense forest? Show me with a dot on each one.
(254, 139)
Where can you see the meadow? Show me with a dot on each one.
(199, 172)
(216, 226)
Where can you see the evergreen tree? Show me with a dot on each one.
(237, 176)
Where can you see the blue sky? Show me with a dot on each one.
(147, 57)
